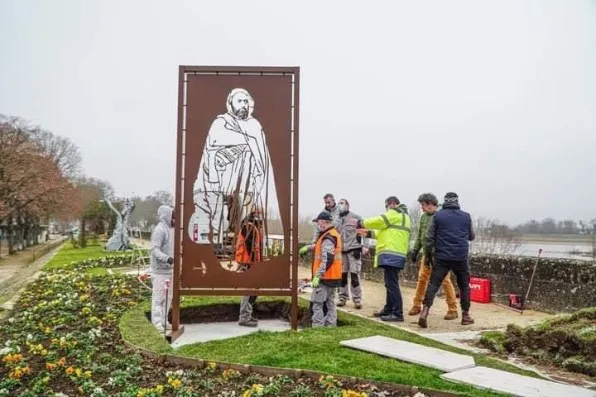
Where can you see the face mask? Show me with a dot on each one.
(341, 207)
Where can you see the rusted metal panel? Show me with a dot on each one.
(237, 151)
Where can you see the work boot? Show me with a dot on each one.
(249, 323)
(466, 319)
(414, 310)
(451, 315)
(358, 305)
(422, 323)
(379, 313)
(341, 303)
(392, 318)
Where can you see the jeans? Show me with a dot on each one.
(439, 271)
(394, 303)
(422, 285)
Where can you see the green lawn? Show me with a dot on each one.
(313, 349)
(68, 254)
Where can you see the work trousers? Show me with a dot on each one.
(440, 270)
(160, 303)
(422, 284)
(393, 301)
(324, 312)
(246, 306)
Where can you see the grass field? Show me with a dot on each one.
(69, 254)
(312, 349)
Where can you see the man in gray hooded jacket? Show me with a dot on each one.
(162, 266)
(352, 250)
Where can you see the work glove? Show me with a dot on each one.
(414, 257)
(315, 282)
(170, 260)
(304, 250)
(428, 261)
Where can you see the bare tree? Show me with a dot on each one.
(415, 213)
(589, 229)
(164, 197)
(61, 150)
(494, 238)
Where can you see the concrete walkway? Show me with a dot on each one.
(15, 283)
(486, 316)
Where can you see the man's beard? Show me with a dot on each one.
(241, 113)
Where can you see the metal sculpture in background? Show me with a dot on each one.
(120, 240)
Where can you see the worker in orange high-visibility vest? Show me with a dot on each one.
(249, 250)
(326, 271)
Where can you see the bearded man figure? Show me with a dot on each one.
(234, 168)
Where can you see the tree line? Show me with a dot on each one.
(553, 226)
(41, 181)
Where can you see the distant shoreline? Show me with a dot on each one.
(556, 239)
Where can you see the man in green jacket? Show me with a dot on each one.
(392, 232)
(429, 205)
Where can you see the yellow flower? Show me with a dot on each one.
(78, 372)
(159, 389)
(69, 370)
(257, 388)
(44, 352)
(47, 330)
(352, 393)
(87, 374)
(15, 373)
(175, 383)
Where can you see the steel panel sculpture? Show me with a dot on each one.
(237, 156)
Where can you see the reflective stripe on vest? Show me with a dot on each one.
(398, 227)
(333, 272)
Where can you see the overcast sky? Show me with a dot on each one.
(495, 100)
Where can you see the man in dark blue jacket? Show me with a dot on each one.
(449, 234)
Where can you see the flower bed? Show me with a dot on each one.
(108, 262)
(62, 337)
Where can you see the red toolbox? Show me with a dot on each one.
(479, 290)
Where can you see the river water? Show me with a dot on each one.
(556, 250)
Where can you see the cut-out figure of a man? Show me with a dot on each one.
(235, 167)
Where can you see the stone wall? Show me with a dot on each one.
(560, 285)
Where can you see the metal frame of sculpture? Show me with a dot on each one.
(120, 239)
(231, 163)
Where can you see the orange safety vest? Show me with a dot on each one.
(333, 272)
(243, 255)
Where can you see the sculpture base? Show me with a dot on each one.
(171, 336)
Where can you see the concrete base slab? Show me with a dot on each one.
(410, 352)
(514, 384)
(198, 333)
